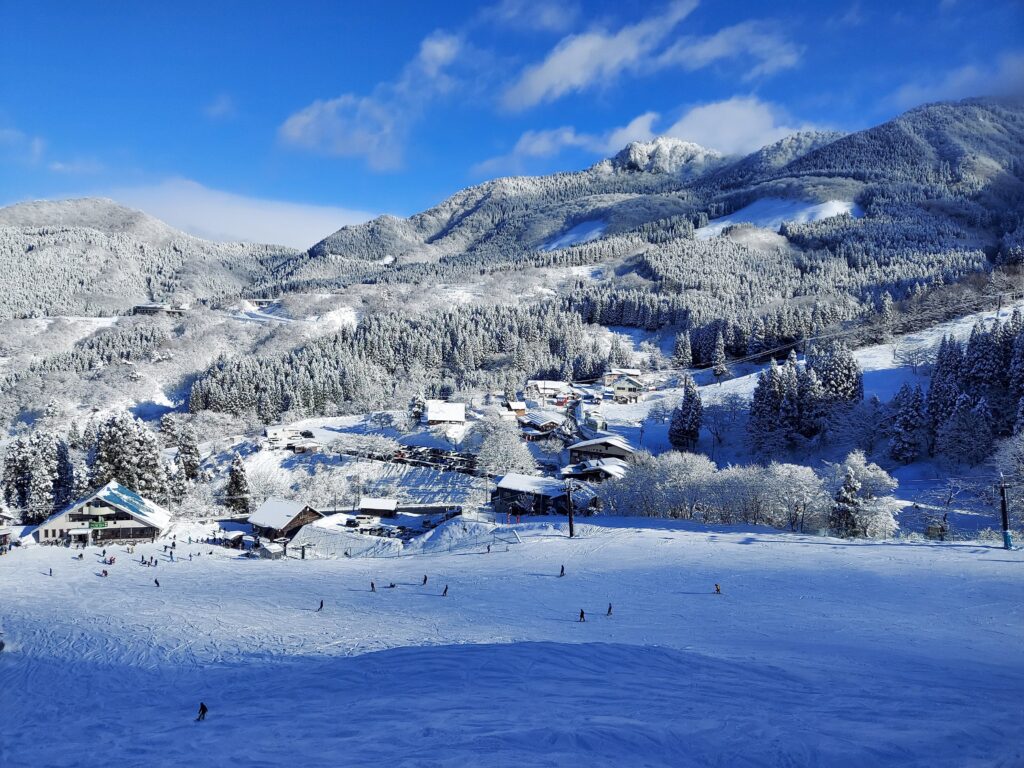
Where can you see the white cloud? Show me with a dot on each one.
(80, 166)
(221, 108)
(738, 125)
(596, 58)
(1006, 76)
(218, 215)
(541, 15)
(376, 126)
(22, 147)
(579, 61)
(758, 41)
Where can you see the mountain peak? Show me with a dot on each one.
(99, 213)
(665, 154)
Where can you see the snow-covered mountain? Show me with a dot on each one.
(91, 255)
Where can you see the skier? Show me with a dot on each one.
(104, 572)
(320, 608)
(562, 572)
(718, 590)
(488, 549)
(51, 571)
(609, 610)
(202, 712)
(583, 616)
(445, 593)
(157, 582)
(424, 580)
(103, 553)
(373, 587)
(190, 557)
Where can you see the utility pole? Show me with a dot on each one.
(1007, 540)
(568, 492)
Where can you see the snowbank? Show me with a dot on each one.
(771, 212)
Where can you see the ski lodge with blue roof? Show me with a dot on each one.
(112, 513)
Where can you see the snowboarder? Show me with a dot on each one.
(424, 580)
(718, 590)
(609, 610)
(51, 571)
(320, 608)
(103, 553)
(445, 593)
(562, 572)
(190, 557)
(373, 587)
(81, 555)
(104, 572)
(583, 616)
(202, 712)
(157, 582)
(488, 549)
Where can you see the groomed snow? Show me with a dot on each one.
(581, 233)
(818, 652)
(771, 212)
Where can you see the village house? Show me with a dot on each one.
(516, 407)
(442, 412)
(618, 373)
(159, 309)
(378, 507)
(536, 425)
(600, 448)
(281, 518)
(530, 495)
(112, 513)
(627, 389)
(271, 551)
(596, 470)
(543, 390)
(280, 436)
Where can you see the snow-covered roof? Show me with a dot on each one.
(544, 385)
(125, 500)
(276, 513)
(539, 419)
(231, 535)
(624, 372)
(382, 505)
(539, 486)
(517, 405)
(615, 440)
(272, 548)
(629, 380)
(439, 410)
(612, 465)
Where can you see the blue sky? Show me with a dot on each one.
(280, 122)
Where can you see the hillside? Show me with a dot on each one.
(92, 256)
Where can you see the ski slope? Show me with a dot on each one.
(771, 212)
(818, 652)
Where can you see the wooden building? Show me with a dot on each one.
(596, 470)
(378, 507)
(112, 513)
(442, 412)
(600, 448)
(530, 495)
(280, 518)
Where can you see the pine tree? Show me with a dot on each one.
(845, 511)
(188, 452)
(682, 354)
(909, 424)
(840, 375)
(684, 427)
(236, 491)
(719, 364)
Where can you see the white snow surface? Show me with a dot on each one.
(771, 212)
(581, 233)
(817, 652)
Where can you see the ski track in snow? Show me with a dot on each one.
(819, 652)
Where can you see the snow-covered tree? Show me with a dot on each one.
(237, 497)
(684, 427)
(502, 450)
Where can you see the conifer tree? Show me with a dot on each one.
(684, 427)
(236, 491)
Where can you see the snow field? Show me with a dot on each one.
(818, 652)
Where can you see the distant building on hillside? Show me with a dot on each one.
(281, 518)
(596, 470)
(617, 373)
(378, 507)
(112, 513)
(536, 425)
(627, 389)
(600, 448)
(159, 309)
(442, 412)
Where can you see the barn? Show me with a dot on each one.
(441, 412)
(112, 513)
(277, 518)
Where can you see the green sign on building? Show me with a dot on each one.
(97, 523)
